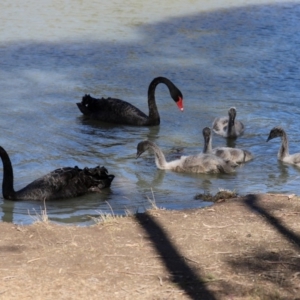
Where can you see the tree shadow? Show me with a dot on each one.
(277, 266)
(17, 249)
(252, 202)
(181, 273)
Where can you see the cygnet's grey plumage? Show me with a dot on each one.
(228, 127)
(201, 163)
(283, 153)
(118, 111)
(60, 184)
(227, 153)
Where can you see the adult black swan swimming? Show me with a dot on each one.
(59, 184)
(114, 110)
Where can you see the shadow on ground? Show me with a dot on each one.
(181, 273)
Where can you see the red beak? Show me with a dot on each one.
(180, 103)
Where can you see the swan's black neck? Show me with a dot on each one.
(153, 111)
(8, 176)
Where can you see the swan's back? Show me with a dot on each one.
(66, 183)
(233, 154)
(220, 127)
(202, 163)
(292, 159)
(112, 110)
(206, 163)
(228, 127)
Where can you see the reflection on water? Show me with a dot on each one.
(245, 57)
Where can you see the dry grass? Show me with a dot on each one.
(242, 248)
(42, 216)
(153, 202)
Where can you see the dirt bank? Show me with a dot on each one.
(241, 248)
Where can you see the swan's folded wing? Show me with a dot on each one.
(67, 183)
(207, 163)
(239, 127)
(220, 125)
(234, 154)
(293, 159)
(113, 110)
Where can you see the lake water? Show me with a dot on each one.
(219, 55)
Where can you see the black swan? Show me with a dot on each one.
(234, 154)
(283, 153)
(121, 112)
(201, 163)
(61, 183)
(228, 127)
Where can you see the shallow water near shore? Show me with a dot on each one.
(244, 56)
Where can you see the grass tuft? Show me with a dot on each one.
(153, 202)
(105, 217)
(42, 216)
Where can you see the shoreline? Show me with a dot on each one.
(240, 248)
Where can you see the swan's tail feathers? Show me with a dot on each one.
(86, 106)
(247, 155)
(232, 164)
(227, 168)
(98, 177)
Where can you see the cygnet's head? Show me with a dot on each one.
(206, 134)
(232, 114)
(142, 147)
(276, 132)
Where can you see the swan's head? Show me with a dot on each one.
(177, 97)
(276, 132)
(179, 103)
(174, 90)
(141, 148)
(232, 114)
(206, 134)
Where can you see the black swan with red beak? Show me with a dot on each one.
(117, 111)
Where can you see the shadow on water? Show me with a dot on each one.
(215, 58)
(204, 40)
